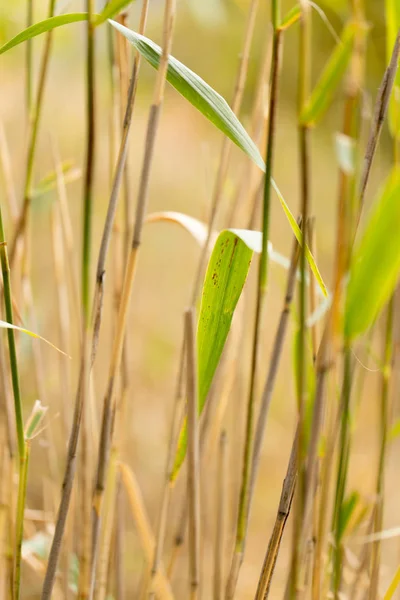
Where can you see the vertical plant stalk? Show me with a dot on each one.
(220, 529)
(241, 526)
(29, 61)
(22, 450)
(273, 366)
(32, 143)
(109, 403)
(285, 502)
(304, 148)
(142, 522)
(19, 532)
(85, 450)
(116, 186)
(384, 427)
(215, 205)
(193, 472)
(343, 463)
(226, 143)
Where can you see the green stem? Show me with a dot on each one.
(32, 144)
(11, 340)
(19, 526)
(29, 43)
(343, 464)
(18, 408)
(241, 526)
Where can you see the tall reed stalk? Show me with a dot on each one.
(242, 519)
(22, 449)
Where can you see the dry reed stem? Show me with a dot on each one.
(241, 527)
(220, 529)
(146, 536)
(273, 367)
(193, 470)
(109, 403)
(283, 512)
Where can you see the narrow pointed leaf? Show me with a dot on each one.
(43, 27)
(5, 325)
(290, 18)
(299, 236)
(112, 8)
(197, 92)
(211, 105)
(330, 78)
(224, 280)
(392, 27)
(375, 266)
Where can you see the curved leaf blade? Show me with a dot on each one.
(299, 236)
(5, 325)
(202, 96)
(43, 27)
(375, 266)
(112, 8)
(214, 108)
(330, 78)
(224, 280)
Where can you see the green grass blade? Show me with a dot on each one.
(225, 277)
(392, 27)
(375, 266)
(197, 92)
(43, 27)
(330, 78)
(290, 18)
(299, 236)
(112, 8)
(214, 108)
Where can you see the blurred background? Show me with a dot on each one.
(208, 39)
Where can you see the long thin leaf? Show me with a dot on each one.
(214, 108)
(392, 27)
(290, 18)
(225, 277)
(197, 92)
(43, 27)
(375, 265)
(299, 236)
(330, 78)
(5, 325)
(112, 8)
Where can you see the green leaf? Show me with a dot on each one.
(35, 419)
(197, 92)
(392, 27)
(346, 512)
(299, 236)
(375, 265)
(43, 27)
(214, 108)
(112, 8)
(290, 18)
(224, 280)
(330, 78)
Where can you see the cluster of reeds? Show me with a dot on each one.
(77, 546)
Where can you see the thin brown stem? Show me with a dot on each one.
(193, 474)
